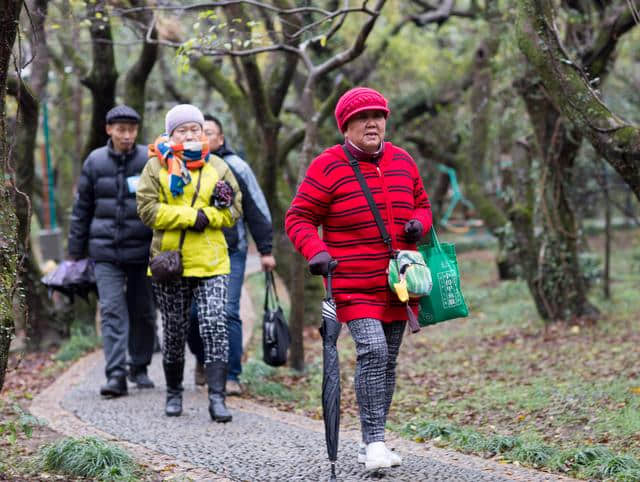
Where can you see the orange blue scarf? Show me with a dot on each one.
(179, 159)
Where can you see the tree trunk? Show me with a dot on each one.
(559, 281)
(296, 323)
(39, 313)
(487, 207)
(571, 93)
(136, 79)
(102, 79)
(518, 181)
(298, 265)
(9, 14)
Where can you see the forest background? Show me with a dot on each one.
(532, 106)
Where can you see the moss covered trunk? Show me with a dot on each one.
(9, 13)
(559, 287)
(102, 79)
(571, 93)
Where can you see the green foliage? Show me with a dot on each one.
(21, 423)
(83, 340)
(531, 453)
(611, 465)
(499, 444)
(89, 457)
(255, 376)
(594, 462)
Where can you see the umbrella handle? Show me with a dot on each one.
(332, 266)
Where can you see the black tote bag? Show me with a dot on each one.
(275, 331)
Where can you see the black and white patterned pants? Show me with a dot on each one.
(174, 300)
(377, 347)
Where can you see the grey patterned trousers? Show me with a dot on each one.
(174, 300)
(377, 347)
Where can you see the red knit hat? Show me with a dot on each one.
(356, 100)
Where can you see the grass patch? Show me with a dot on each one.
(83, 340)
(593, 462)
(564, 397)
(89, 457)
(255, 377)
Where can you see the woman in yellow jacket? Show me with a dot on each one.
(185, 189)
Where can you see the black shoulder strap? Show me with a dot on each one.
(270, 294)
(367, 194)
(193, 201)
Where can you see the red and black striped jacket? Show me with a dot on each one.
(330, 196)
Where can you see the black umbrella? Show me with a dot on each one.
(330, 331)
(72, 278)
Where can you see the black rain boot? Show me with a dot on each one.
(116, 386)
(138, 375)
(173, 375)
(217, 379)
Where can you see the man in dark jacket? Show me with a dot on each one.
(105, 225)
(257, 217)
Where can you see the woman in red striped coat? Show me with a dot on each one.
(330, 196)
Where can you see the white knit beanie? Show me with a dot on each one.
(181, 114)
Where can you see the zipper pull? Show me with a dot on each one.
(378, 169)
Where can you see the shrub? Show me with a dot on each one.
(88, 457)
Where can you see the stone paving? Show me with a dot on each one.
(261, 444)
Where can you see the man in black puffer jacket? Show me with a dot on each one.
(106, 226)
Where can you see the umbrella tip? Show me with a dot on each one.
(333, 473)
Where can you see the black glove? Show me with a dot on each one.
(319, 264)
(413, 230)
(202, 222)
(222, 195)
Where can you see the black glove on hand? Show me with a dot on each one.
(319, 264)
(413, 230)
(223, 195)
(201, 222)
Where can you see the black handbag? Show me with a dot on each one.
(167, 266)
(275, 331)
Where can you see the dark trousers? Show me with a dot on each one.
(238, 260)
(128, 318)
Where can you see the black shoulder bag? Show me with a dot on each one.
(167, 266)
(275, 331)
(386, 237)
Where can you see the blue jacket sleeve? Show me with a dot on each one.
(254, 205)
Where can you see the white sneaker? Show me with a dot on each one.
(377, 456)
(362, 455)
(394, 457)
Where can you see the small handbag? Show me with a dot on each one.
(275, 331)
(408, 275)
(167, 266)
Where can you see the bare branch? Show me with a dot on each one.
(356, 48)
(169, 84)
(596, 58)
(255, 3)
(438, 15)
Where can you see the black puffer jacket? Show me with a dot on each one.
(104, 216)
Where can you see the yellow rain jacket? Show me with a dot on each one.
(203, 254)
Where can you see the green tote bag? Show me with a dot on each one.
(445, 301)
